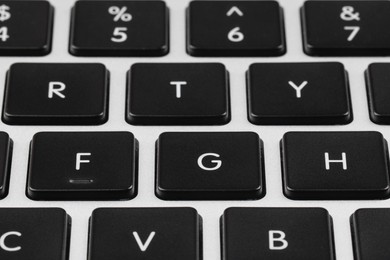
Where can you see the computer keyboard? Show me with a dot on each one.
(172, 130)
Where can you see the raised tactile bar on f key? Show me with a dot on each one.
(25, 28)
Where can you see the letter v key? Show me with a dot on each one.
(143, 246)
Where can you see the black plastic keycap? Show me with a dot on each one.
(210, 166)
(6, 146)
(335, 165)
(25, 28)
(34, 234)
(370, 234)
(145, 233)
(83, 166)
(346, 28)
(178, 94)
(298, 94)
(378, 92)
(235, 28)
(56, 94)
(119, 28)
(277, 234)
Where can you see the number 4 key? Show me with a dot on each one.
(19, 36)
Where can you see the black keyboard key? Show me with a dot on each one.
(145, 233)
(6, 146)
(335, 165)
(277, 234)
(178, 94)
(378, 92)
(83, 166)
(370, 234)
(56, 94)
(34, 234)
(25, 28)
(346, 28)
(235, 28)
(210, 166)
(298, 94)
(119, 28)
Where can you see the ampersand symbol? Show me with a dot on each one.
(348, 14)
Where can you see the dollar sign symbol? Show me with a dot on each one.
(4, 14)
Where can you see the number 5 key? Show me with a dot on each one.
(119, 28)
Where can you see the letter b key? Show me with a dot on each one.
(277, 233)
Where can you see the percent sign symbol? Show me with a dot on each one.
(120, 13)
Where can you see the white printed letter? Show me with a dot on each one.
(343, 161)
(280, 238)
(53, 90)
(144, 246)
(299, 88)
(2, 241)
(79, 161)
(178, 85)
(218, 163)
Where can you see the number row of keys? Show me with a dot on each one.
(202, 166)
(190, 94)
(176, 233)
(214, 28)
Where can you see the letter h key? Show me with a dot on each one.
(335, 165)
